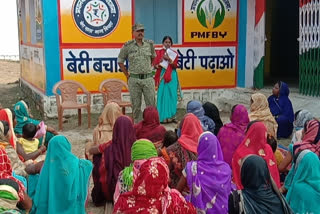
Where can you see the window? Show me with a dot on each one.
(159, 17)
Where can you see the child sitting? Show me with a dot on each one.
(170, 137)
(274, 145)
(28, 142)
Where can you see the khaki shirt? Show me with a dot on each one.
(139, 57)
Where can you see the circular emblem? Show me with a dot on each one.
(96, 18)
(211, 13)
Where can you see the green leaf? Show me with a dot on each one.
(219, 15)
(201, 17)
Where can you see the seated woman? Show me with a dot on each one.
(102, 133)
(23, 116)
(196, 108)
(259, 110)
(6, 115)
(300, 118)
(231, 135)
(151, 194)
(281, 108)
(185, 149)
(304, 190)
(259, 194)
(150, 128)
(212, 111)
(18, 197)
(141, 150)
(116, 155)
(64, 180)
(311, 138)
(310, 141)
(208, 178)
(15, 149)
(255, 143)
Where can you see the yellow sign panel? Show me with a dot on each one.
(210, 20)
(100, 21)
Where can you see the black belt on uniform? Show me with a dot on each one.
(141, 76)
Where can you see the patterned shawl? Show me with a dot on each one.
(151, 193)
(6, 170)
(259, 110)
(141, 151)
(232, 134)
(209, 178)
(196, 108)
(311, 139)
(150, 128)
(255, 143)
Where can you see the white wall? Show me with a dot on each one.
(9, 42)
(250, 42)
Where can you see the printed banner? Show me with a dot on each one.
(38, 17)
(95, 21)
(32, 66)
(210, 20)
(198, 67)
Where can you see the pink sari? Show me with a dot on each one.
(232, 134)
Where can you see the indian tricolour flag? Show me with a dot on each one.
(259, 43)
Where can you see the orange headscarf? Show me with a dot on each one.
(190, 132)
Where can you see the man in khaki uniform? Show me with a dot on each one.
(140, 54)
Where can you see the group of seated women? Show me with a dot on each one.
(201, 167)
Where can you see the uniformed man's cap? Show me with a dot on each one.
(137, 27)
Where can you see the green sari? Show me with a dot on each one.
(23, 117)
(64, 180)
(304, 191)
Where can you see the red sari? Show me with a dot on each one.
(150, 128)
(151, 193)
(6, 172)
(6, 115)
(255, 143)
(167, 75)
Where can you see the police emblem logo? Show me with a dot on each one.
(96, 18)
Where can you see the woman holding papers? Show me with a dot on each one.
(166, 79)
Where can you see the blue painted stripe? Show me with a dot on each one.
(51, 44)
(242, 46)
